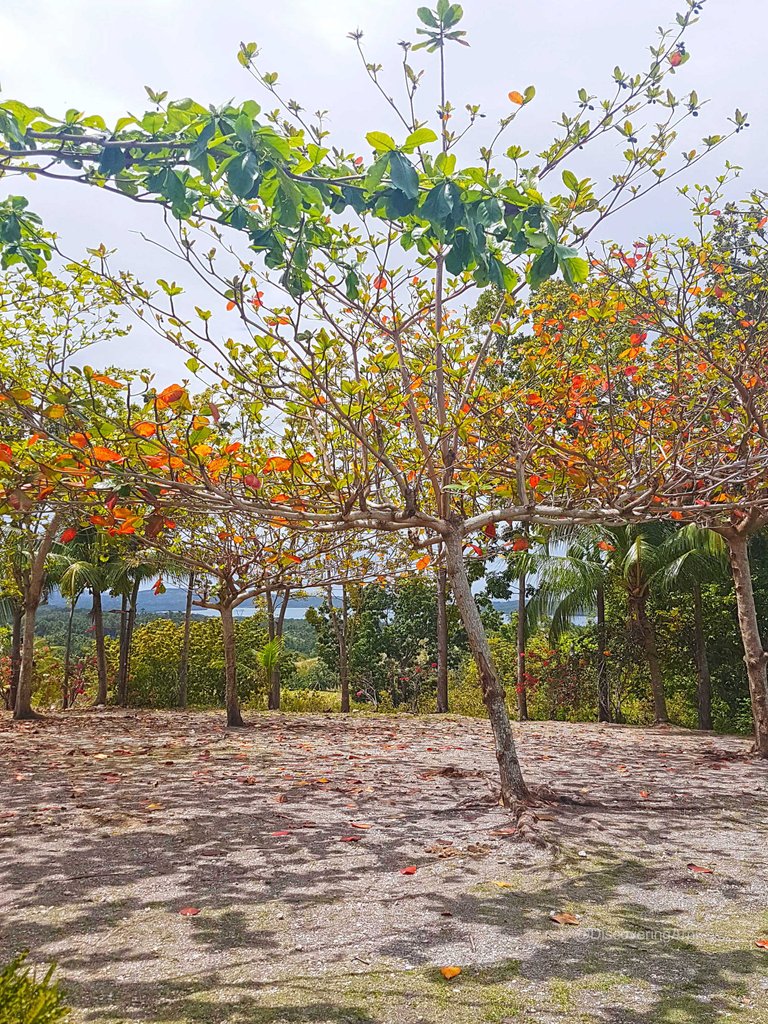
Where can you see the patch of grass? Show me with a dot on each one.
(25, 999)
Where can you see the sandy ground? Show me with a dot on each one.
(113, 822)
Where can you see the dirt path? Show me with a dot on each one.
(111, 823)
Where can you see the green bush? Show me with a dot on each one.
(25, 1000)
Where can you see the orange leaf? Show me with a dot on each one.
(78, 440)
(102, 454)
(534, 480)
(761, 943)
(144, 429)
(189, 911)
(380, 283)
(423, 562)
(699, 871)
(450, 972)
(102, 378)
(6, 455)
(516, 97)
(173, 393)
(306, 458)
(277, 464)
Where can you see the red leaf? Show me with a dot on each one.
(701, 871)
(350, 839)
(411, 870)
(520, 544)
(6, 455)
(280, 834)
(189, 911)
(69, 535)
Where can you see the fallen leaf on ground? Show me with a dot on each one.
(249, 780)
(411, 870)
(644, 794)
(564, 918)
(284, 832)
(702, 871)
(504, 885)
(350, 839)
(154, 807)
(450, 972)
(762, 943)
(359, 824)
(189, 911)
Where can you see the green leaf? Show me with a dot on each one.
(570, 181)
(453, 15)
(427, 17)
(243, 174)
(380, 141)
(575, 269)
(376, 172)
(403, 174)
(543, 267)
(421, 137)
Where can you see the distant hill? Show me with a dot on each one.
(174, 600)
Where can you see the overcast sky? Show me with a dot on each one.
(98, 57)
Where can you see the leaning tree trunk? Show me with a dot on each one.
(522, 697)
(648, 637)
(234, 718)
(16, 632)
(442, 640)
(68, 657)
(184, 662)
(340, 622)
(513, 787)
(603, 690)
(755, 656)
(33, 591)
(97, 613)
(703, 678)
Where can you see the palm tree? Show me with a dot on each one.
(136, 565)
(697, 556)
(574, 583)
(87, 564)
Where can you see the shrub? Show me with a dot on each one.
(25, 1000)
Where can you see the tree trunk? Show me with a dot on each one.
(234, 718)
(442, 640)
(522, 697)
(68, 657)
(33, 590)
(704, 682)
(513, 788)
(339, 623)
(603, 691)
(125, 653)
(755, 657)
(122, 674)
(184, 662)
(648, 636)
(97, 613)
(16, 632)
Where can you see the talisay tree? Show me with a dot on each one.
(701, 306)
(346, 277)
